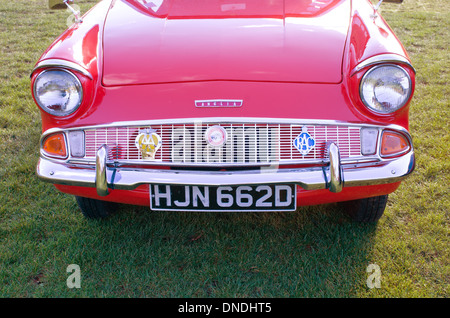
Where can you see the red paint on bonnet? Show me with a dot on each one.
(142, 49)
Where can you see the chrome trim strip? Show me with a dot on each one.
(58, 63)
(125, 163)
(231, 120)
(382, 59)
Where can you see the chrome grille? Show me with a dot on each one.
(247, 143)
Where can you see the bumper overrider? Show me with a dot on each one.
(333, 173)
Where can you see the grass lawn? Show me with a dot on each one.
(314, 252)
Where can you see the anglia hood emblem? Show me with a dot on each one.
(219, 103)
(148, 142)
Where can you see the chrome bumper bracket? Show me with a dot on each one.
(336, 183)
(101, 183)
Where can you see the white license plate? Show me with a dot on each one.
(250, 198)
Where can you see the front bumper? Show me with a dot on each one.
(333, 176)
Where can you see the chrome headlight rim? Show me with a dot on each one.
(370, 107)
(58, 113)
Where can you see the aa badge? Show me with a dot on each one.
(148, 142)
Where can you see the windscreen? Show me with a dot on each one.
(191, 9)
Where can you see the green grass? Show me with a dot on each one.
(315, 252)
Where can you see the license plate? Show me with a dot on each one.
(250, 198)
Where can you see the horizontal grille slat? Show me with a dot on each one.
(247, 143)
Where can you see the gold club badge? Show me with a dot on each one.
(148, 142)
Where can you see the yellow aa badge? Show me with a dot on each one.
(148, 142)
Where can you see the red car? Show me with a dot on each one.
(225, 105)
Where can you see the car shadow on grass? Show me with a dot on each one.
(313, 252)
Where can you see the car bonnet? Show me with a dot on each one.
(166, 41)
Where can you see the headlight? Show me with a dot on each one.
(385, 89)
(58, 92)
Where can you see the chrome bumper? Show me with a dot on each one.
(334, 176)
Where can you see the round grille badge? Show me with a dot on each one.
(216, 136)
